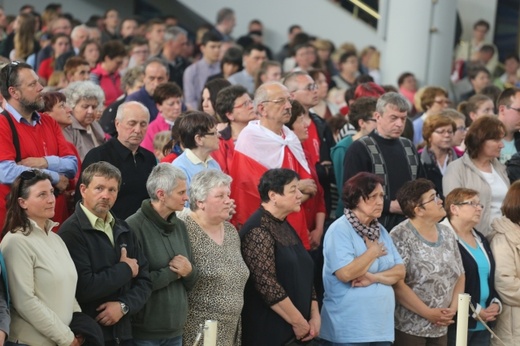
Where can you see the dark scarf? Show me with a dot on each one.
(371, 231)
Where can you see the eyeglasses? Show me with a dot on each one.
(435, 199)
(515, 109)
(210, 134)
(462, 128)
(473, 204)
(309, 87)
(281, 101)
(443, 132)
(245, 104)
(10, 68)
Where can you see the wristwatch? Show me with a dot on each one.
(124, 308)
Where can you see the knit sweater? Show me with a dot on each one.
(165, 312)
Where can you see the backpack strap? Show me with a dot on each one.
(16, 140)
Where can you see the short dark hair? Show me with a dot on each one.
(16, 217)
(511, 204)
(113, 49)
(297, 111)
(225, 101)
(512, 56)
(474, 70)
(51, 98)
(165, 91)
(210, 36)
(275, 180)
(101, 169)
(362, 109)
(9, 76)
(294, 27)
(481, 22)
(344, 57)
(232, 56)
(482, 129)
(359, 186)
(214, 86)
(255, 46)
(403, 76)
(193, 123)
(224, 13)
(487, 48)
(504, 99)
(410, 194)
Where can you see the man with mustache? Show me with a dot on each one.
(124, 152)
(30, 140)
(265, 144)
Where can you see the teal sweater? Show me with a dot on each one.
(165, 313)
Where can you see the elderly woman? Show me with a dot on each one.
(505, 244)
(168, 98)
(480, 170)
(464, 210)
(85, 133)
(219, 291)
(199, 137)
(42, 275)
(361, 265)
(438, 133)
(426, 303)
(280, 305)
(166, 245)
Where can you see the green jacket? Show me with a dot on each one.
(165, 312)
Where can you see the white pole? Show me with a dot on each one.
(210, 333)
(462, 319)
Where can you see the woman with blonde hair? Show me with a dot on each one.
(476, 106)
(25, 43)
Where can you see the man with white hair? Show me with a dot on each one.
(265, 144)
(124, 152)
(78, 35)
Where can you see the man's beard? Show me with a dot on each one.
(33, 106)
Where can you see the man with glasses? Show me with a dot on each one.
(304, 90)
(254, 56)
(265, 144)
(125, 153)
(385, 153)
(30, 140)
(508, 104)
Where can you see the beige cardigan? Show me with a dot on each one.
(42, 284)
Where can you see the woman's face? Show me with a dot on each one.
(468, 212)
(91, 54)
(323, 86)
(442, 138)
(432, 205)
(171, 108)
(62, 113)
(39, 205)
(491, 149)
(291, 199)
(85, 111)
(211, 140)
(440, 103)
(207, 107)
(217, 204)
(372, 207)
(485, 108)
(301, 128)
(460, 133)
(272, 74)
(177, 198)
(61, 46)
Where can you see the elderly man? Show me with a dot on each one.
(29, 139)
(175, 41)
(113, 278)
(385, 153)
(125, 153)
(155, 73)
(254, 56)
(265, 144)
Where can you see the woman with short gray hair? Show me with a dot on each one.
(219, 292)
(166, 244)
(84, 98)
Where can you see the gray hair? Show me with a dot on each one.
(290, 80)
(121, 110)
(159, 61)
(77, 30)
(83, 90)
(205, 181)
(262, 93)
(164, 177)
(223, 14)
(173, 32)
(395, 99)
(131, 76)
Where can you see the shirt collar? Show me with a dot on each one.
(35, 118)
(195, 160)
(93, 219)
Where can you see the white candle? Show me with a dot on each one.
(462, 319)
(210, 333)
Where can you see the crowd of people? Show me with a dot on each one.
(152, 179)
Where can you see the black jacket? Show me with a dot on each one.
(513, 167)
(101, 276)
(432, 170)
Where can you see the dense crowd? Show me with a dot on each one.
(152, 179)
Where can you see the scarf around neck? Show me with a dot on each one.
(371, 231)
